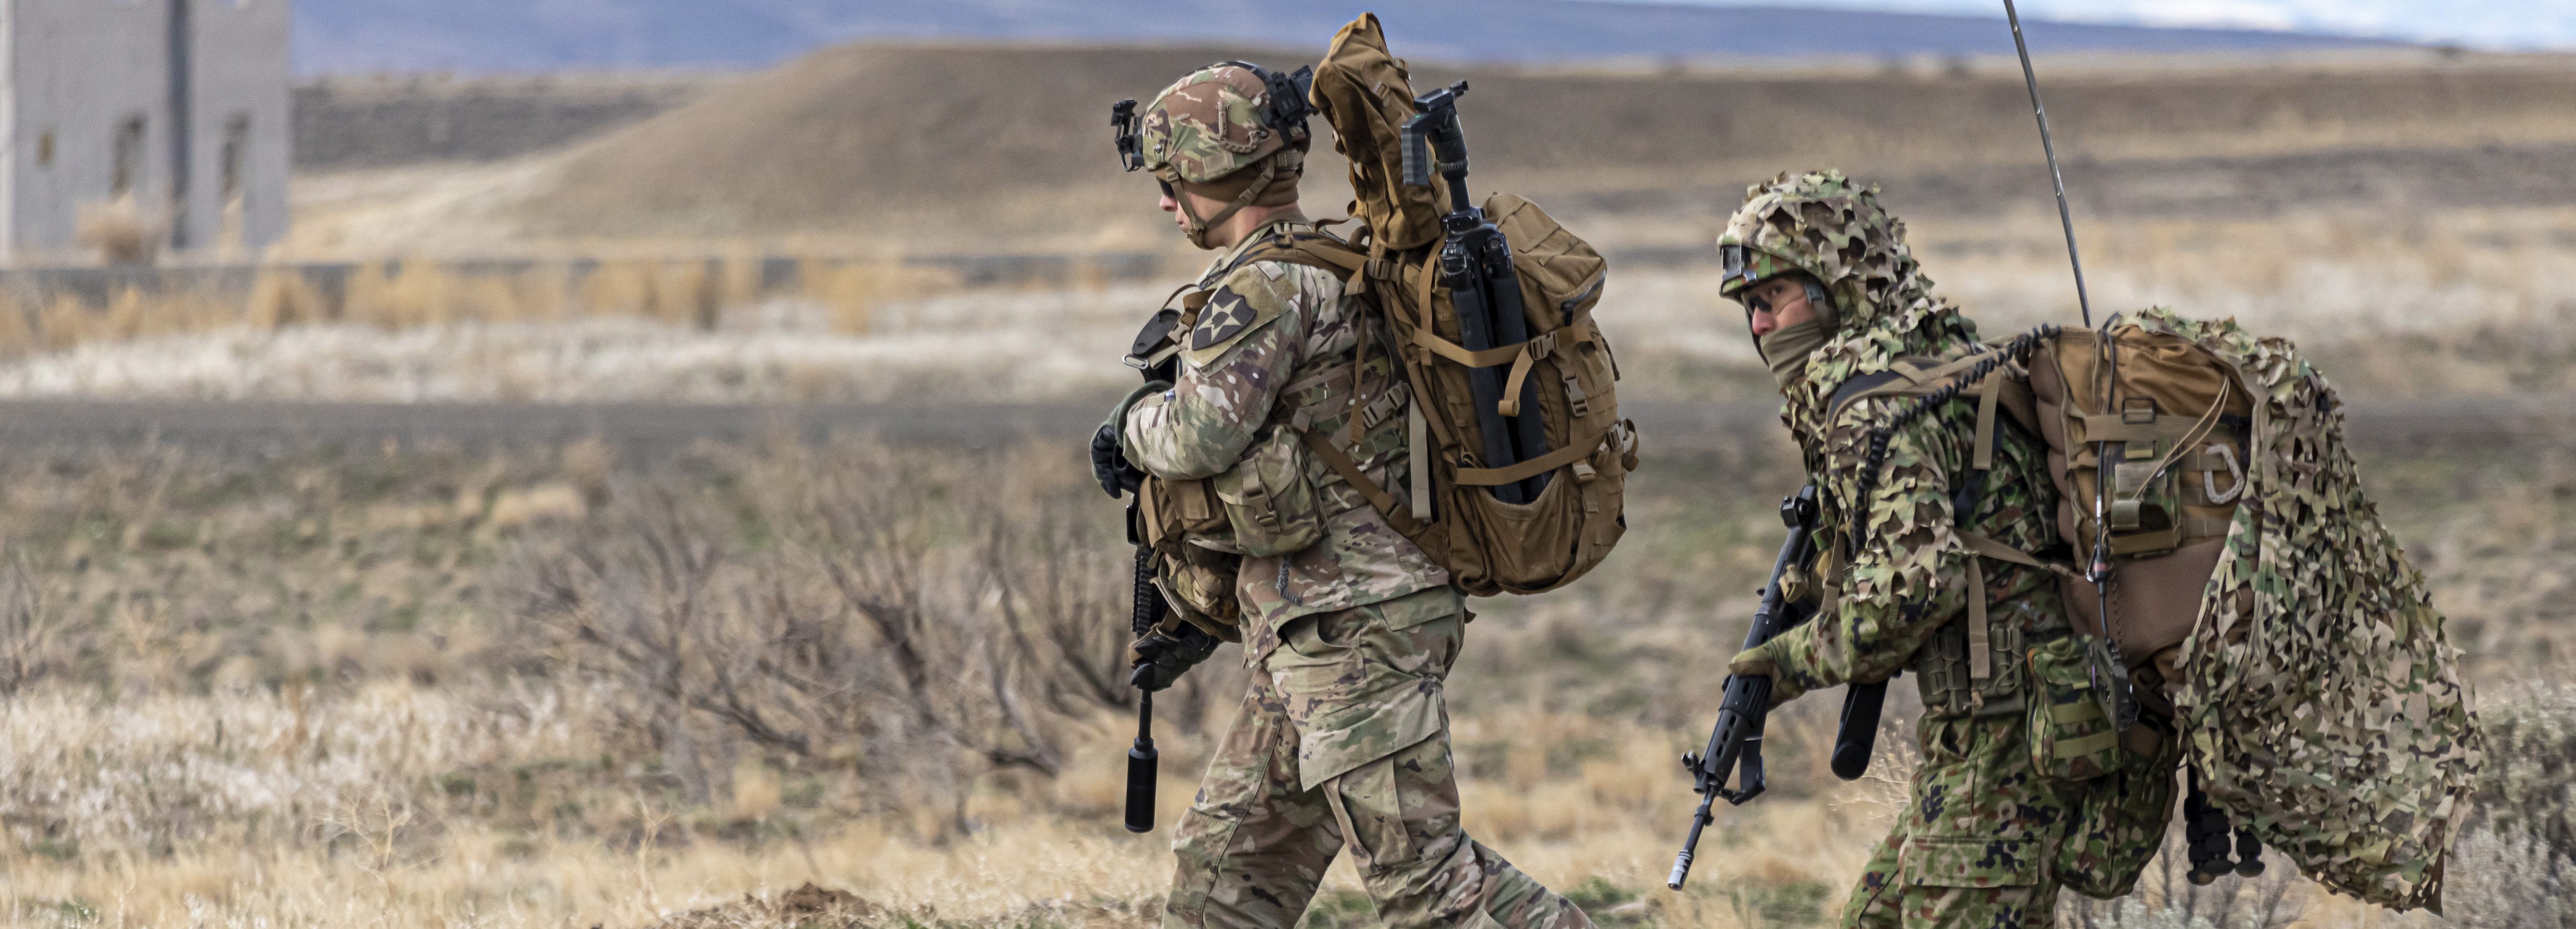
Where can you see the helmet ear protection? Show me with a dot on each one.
(1286, 113)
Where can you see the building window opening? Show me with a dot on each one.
(129, 157)
(236, 150)
(45, 149)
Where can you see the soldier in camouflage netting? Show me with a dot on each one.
(1834, 297)
(1349, 629)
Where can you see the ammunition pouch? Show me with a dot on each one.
(1194, 554)
(2071, 736)
(1269, 499)
(1944, 672)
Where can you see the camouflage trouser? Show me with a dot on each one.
(1986, 841)
(1342, 738)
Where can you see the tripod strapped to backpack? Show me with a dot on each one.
(1476, 264)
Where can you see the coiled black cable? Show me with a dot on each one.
(2015, 351)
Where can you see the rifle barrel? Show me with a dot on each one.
(1690, 846)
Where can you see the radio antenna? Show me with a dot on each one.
(2041, 110)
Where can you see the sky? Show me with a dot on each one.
(2485, 24)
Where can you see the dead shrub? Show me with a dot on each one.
(856, 606)
(121, 230)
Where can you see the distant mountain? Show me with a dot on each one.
(484, 36)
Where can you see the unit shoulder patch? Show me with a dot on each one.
(1245, 301)
(1227, 315)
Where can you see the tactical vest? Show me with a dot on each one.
(1971, 666)
(1277, 497)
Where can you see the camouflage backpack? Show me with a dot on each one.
(2254, 592)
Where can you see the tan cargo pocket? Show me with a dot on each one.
(1371, 811)
(2071, 737)
(1270, 500)
(1970, 861)
(1377, 725)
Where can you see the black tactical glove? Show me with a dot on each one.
(1163, 655)
(1110, 465)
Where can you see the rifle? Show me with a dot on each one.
(1737, 738)
(1476, 265)
(1152, 355)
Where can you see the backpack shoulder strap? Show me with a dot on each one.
(1312, 249)
(1866, 385)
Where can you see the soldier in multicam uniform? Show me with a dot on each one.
(1342, 738)
(1834, 295)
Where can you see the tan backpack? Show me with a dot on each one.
(1489, 546)
(2177, 446)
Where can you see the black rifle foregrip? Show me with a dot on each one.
(1857, 738)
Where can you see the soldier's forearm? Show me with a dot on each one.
(1860, 641)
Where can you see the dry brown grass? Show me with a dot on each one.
(2450, 302)
(394, 295)
(373, 687)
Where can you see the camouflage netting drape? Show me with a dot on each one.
(2324, 702)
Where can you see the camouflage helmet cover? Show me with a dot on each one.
(1212, 123)
(1824, 224)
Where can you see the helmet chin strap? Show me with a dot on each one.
(1197, 229)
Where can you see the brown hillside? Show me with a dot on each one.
(956, 146)
(836, 140)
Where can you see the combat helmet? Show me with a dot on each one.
(1231, 131)
(1824, 224)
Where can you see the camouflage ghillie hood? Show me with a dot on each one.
(1825, 225)
(2314, 606)
(1224, 133)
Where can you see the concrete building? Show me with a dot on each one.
(178, 108)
